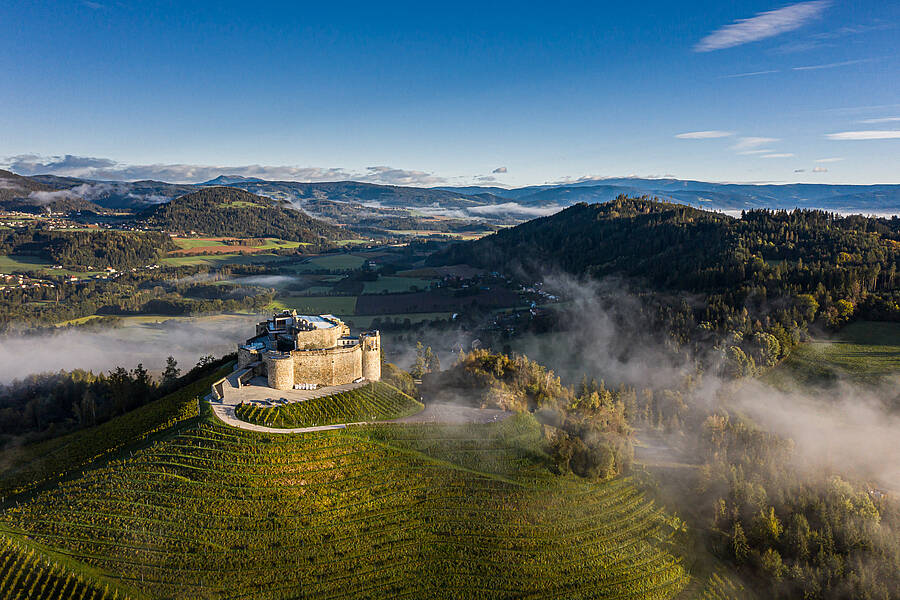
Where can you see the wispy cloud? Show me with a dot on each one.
(750, 143)
(820, 170)
(833, 65)
(778, 155)
(826, 39)
(832, 159)
(759, 151)
(865, 135)
(704, 135)
(88, 167)
(881, 120)
(762, 26)
(499, 170)
(750, 74)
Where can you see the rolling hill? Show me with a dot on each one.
(233, 212)
(18, 188)
(421, 511)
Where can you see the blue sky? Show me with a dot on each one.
(447, 93)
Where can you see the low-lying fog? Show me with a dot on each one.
(147, 343)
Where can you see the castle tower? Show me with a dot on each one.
(371, 355)
(280, 370)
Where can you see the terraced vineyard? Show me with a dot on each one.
(27, 572)
(216, 512)
(376, 401)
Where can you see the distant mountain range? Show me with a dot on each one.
(718, 196)
(490, 203)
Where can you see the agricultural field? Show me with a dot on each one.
(865, 352)
(435, 301)
(22, 263)
(371, 512)
(366, 321)
(316, 305)
(330, 262)
(216, 245)
(218, 260)
(372, 402)
(396, 285)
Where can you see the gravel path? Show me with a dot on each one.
(434, 413)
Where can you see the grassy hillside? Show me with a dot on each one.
(382, 512)
(373, 402)
(27, 466)
(866, 352)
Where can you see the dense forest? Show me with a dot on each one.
(759, 280)
(234, 212)
(97, 249)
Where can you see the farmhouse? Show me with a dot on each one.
(302, 352)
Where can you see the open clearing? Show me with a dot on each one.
(865, 351)
(21, 263)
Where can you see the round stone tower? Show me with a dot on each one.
(280, 370)
(371, 355)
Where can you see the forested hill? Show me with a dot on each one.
(229, 211)
(840, 261)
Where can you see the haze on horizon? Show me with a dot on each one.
(406, 94)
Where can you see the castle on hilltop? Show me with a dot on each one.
(302, 351)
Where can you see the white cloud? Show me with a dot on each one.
(703, 135)
(778, 155)
(881, 120)
(750, 143)
(392, 176)
(865, 135)
(762, 26)
(820, 170)
(86, 191)
(87, 167)
(829, 160)
(499, 170)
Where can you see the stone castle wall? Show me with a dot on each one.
(334, 366)
(246, 356)
(280, 370)
(318, 338)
